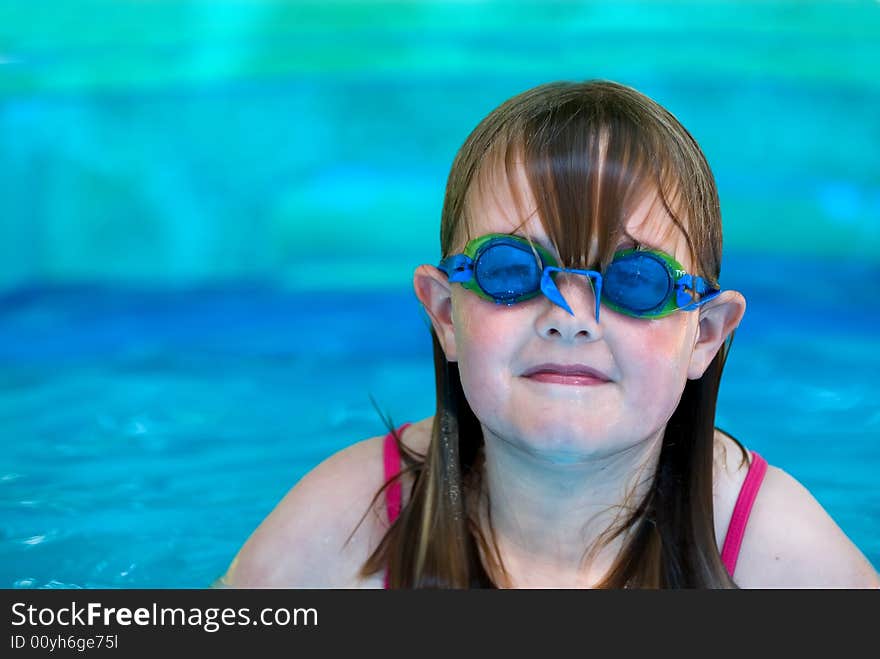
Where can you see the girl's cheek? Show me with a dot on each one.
(656, 350)
(664, 336)
(465, 312)
(481, 322)
(473, 335)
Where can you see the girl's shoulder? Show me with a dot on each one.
(316, 537)
(790, 540)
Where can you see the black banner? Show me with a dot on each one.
(124, 623)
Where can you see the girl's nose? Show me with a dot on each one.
(574, 312)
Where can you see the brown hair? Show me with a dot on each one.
(590, 152)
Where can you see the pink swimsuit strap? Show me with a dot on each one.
(394, 492)
(735, 530)
(741, 511)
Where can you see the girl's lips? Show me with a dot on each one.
(571, 374)
(559, 378)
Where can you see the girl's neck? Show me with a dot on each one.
(552, 522)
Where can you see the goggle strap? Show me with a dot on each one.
(694, 305)
(683, 295)
(459, 268)
(686, 287)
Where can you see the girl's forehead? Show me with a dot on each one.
(651, 225)
(499, 202)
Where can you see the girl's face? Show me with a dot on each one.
(644, 363)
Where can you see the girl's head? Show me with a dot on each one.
(584, 170)
(580, 170)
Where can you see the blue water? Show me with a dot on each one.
(147, 432)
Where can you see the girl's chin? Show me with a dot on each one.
(565, 438)
(575, 429)
(570, 442)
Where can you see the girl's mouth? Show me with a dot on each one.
(571, 374)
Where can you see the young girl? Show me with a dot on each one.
(580, 332)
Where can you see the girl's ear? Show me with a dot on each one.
(433, 290)
(718, 318)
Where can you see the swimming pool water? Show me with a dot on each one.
(147, 432)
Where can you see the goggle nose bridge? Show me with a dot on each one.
(551, 291)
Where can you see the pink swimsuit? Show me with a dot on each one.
(735, 530)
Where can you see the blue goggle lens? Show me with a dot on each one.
(507, 272)
(638, 282)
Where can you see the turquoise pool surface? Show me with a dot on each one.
(147, 432)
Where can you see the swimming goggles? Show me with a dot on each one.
(642, 283)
